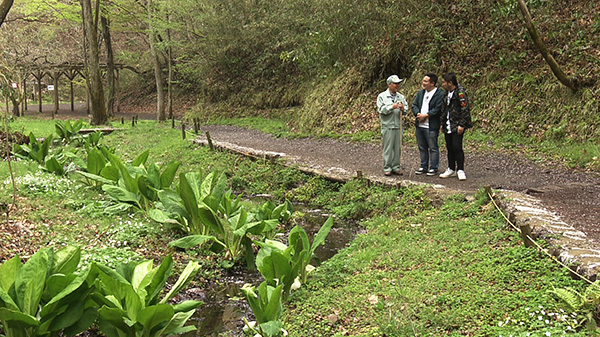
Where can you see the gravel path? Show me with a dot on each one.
(573, 195)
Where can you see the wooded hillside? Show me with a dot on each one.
(328, 59)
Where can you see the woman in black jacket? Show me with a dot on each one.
(455, 119)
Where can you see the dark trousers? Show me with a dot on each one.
(456, 156)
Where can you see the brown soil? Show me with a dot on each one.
(573, 195)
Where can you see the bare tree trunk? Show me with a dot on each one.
(94, 79)
(110, 68)
(535, 36)
(160, 91)
(15, 103)
(170, 65)
(5, 6)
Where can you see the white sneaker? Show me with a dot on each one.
(448, 173)
(461, 175)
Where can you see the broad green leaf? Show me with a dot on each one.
(8, 272)
(155, 285)
(7, 301)
(139, 273)
(189, 199)
(239, 223)
(161, 216)
(53, 166)
(153, 176)
(176, 324)
(141, 159)
(72, 287)
(129, 181)
(167, 176)
(66, 260)
(173, 203)
(8, 315)
(220, 187)
(94, 177)
(30, 281)
(157, 314)
(213, 203)
(69, 317)
(95, 161)
(271, 328)
(83, 323)
(298, 239)
(146, 189)
(111, 173)
(45, 148)
(191, 241)
(207, 184)
(187, 305)
(211, 220)
(113, 316)
(274, 266)
(320, 237)
(120, 194)
(109, 274)
(133, 303)
(273, 309)
(273, 244)
(194, 179)
(188, 273)
(55, 284)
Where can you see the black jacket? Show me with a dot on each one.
(435, 107)
(458, 109)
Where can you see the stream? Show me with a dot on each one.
(224, 304)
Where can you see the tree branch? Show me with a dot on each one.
(535, 36)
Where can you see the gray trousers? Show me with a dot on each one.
(391, 149)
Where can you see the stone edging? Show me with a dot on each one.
(570, 246)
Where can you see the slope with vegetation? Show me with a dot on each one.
(331, 58)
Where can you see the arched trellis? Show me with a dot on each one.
(54, 72)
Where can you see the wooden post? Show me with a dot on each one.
(359, 174)
(210, 143)
(488, 192)
(526, 234)
(172, 122)
(132, 121)
(195, 126)
(122, 120)
(182, 130)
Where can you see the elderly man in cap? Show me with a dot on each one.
(391, 105)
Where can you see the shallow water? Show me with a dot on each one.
(224, 305)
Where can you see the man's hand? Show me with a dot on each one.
(460, 130)
(422, 117)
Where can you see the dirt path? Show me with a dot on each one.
(573, 195)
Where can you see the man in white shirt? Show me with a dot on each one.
(427, 108)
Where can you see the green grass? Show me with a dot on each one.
(418, 268)
(455, 270)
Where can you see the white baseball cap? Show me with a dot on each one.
(394, 79)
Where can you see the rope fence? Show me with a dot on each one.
(525, 232)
